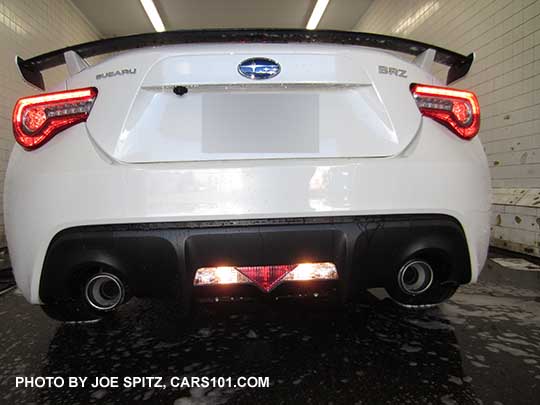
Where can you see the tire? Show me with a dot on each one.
(71, 312)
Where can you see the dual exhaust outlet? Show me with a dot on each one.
(415, 277)
(104, 292)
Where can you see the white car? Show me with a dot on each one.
(228, 163)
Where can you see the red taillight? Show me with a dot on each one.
(266, 277)
(37, 119)
(457, 109)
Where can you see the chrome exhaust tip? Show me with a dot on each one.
(415, 277)
(104, 292)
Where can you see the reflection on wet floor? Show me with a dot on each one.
(483, 347)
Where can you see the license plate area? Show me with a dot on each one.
(260, 123)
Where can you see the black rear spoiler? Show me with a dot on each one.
(31, 68)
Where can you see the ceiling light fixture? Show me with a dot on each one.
(317, 14)
(153, 15)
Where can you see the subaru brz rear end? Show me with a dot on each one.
(245, 162)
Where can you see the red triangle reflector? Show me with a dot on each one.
(266, 277)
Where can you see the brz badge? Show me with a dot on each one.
(388, 70)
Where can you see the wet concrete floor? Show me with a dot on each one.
(482, 347)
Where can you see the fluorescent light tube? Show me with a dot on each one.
(317, 14)
(153, 15)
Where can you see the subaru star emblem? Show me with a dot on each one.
(259, 68)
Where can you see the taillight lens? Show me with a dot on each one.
(457, 109)
(266, 277)
(37, 119)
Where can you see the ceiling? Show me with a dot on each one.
(124, 17)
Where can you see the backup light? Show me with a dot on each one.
(313, 271)
(219, 275)
(37, 119)
(456, 109)
(265, 277)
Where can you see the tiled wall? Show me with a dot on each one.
(505, 35)
(29, 28)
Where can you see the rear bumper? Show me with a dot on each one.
(68, 184)
(160, 259)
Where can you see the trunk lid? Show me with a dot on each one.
(328, 101)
